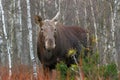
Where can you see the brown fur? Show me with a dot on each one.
(66, 38)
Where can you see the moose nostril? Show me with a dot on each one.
(50, 42)
(48, 50)
(44, 46)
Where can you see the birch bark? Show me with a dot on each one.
(29, 24)
(105, 42)
(117, 32)
(6, 38)
(44, 11)
(113, 19)
(85, 15)
(19, 44)
(94, 23)
(77, 11)
(13, 32)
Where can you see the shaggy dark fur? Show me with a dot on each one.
(66, 38)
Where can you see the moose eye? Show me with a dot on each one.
(41, 29)
(55, 30)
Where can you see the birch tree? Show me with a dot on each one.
(6, 38)
(1, 52)
(19, 34)
(30, 38)
(12, 18)
(85, 14)
(2, 40)
(94, 22)
(77, 12)
(105, 42)
(117, 33)
(103, 36)
(113, 10)
(44, 10)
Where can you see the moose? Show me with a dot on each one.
(54, 40)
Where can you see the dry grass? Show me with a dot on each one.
(23, 72)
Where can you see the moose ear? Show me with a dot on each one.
(38, 20)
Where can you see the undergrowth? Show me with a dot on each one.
(87, 68)
(90, 68)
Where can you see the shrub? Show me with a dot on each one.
(94, 71)
(62, 68)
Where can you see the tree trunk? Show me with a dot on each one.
(105, 42)
(118, 34)
(77, 12)
(14, 52)
(94, 23)
(30, 39)
(6, 38)
(113, 18)
(19, 33)
(85, 15)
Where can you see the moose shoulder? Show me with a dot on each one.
(54, 41)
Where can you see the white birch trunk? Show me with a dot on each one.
(29, 24)
(85, 17)
(6, 37)
(113, 17)
(117, 34)
(94, 23)
(62, 11)
(105, 42)
(44, 11)
(40, 3)
(3, 50)
(12, 22)
(85, 23)
(20, 30)
(77, 12)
